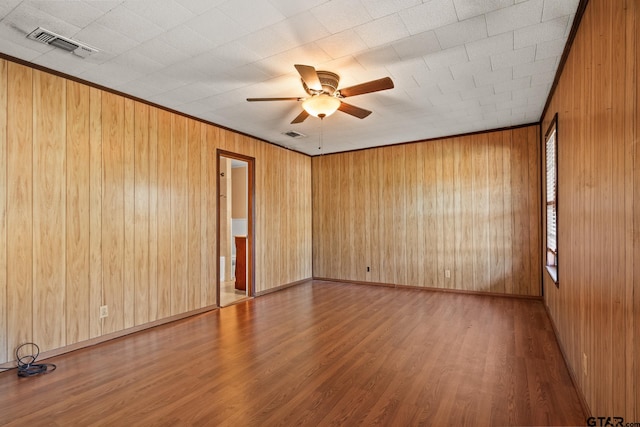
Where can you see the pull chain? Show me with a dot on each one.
(322, 116)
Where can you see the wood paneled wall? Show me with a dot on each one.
(105, 200)
(593, 308)
(470, 205)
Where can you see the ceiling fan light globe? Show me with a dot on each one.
(322, 104)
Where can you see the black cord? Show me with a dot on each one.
(27, 366)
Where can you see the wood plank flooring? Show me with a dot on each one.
(316, 354)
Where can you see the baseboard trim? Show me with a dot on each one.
(285, 286)
(572, 374)
(114, 335)
(432, 289)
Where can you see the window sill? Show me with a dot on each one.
(553, 272)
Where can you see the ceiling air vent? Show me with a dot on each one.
(48, 37)
(294, 134)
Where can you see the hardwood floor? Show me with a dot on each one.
(316, 354)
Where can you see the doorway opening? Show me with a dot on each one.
(235, 228)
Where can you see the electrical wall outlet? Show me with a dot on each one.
(447, 274)
(584, 364)
(104, 311)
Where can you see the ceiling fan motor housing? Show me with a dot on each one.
(328, 80)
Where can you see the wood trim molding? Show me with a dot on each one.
(427, 288)
(572, 374)
(285, 286)
(118, 334)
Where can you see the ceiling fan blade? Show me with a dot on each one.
(368, 87)
(300, 117)
(309, 76)
(275, 99)
(358, 112)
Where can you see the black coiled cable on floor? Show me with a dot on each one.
(27, 366)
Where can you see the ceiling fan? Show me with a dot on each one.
(325, 97)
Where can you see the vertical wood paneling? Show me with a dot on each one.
(141, 236)
(153, 214)
(113, 211)
(164, 243)
(3, 208)
(49, 206)
(78, 207)
(205, 278)
(95, 212)
(593, 307)
(107, 201)
(19, 207)
(179, 215)
(431, 208)
(193, 220)
(129, 267)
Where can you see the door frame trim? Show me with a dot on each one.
(251, 288)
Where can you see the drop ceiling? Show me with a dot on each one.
(458, 66)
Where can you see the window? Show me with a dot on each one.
(551, 168)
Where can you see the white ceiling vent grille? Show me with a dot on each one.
(294, 134)
(48, 37)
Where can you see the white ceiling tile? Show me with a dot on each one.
(495, 99)
(513, 57)
(77, 13)
(339, 15)
(468, 9)
(302, 29)
(513, 103)
(429, 16)
(170, 15)
(492, 77)
(130, 24)
(546, 31)
(8, 5)
(106, 39)
(343, 43)
(483, 48)
(446, 58)
(480, 92)
(419, 45)
(110, 75)
(550, 49)
(555, 8)
(517, 16)
(160, 52)
(266, 42)
(217, 27)
(445, 100)
(537, 67)
(380, 8)
(199, 7)
(543, 78)
(187, 41)
(290, 8)
(462, 32)
(406, 68)
(105, 5)
(433, 77)
(382, 31)
(8, 47)
(459, 85)
(470, 68)
(377, 57)
(510, 85)
(530, 92)
(252, 14)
